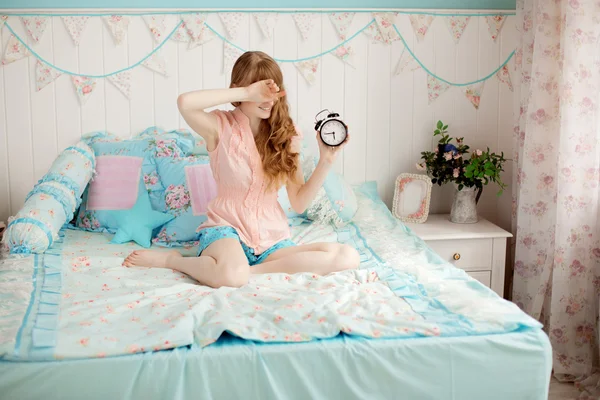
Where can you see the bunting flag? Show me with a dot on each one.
(385, 22)
(207, 35)
(231, 21)
(181, 34)
(35, 27)
(504, 76)
(196, 29)
(305, 23)
(494, 24)
(156, 63)
(346, 54)
(117, 24)
(266, 22)
(75, 26)
(421, 24)
(373, 33)
(341, 22)
(230, 55)
(457, 25)
(473, 93)
(435, 88)
(406, 63)
(3, 19)
(308, 69)
(122, 81)
(84, 86)
(44, 75)
(14, 51)
(156, 24)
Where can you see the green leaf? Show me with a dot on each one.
(461, 186)
(489, 172)
(436, 132)
(445, 127)
(440, 124)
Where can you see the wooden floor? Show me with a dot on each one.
(562, 391)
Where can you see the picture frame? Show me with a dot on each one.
(412, 196)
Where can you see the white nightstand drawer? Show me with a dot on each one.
(484, 277)
(472, 254)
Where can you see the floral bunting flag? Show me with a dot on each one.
(308, 69)
(156, 63)
(14, 51)
(75, 26)
(84, 86)
(3, 19)
(421, 24)
(305, 23)
(346, 54)
(373, 33)
(473, 93)
(494, 24)
(435, 88)
(457, 25)
(122, 81)
(406, 63)
(117, 24)
(196, 29)
(156, 24)
(44, 75)
(181, 34)
(504, 76)
(194, 24)
(341, 22)
(266, 22)
(231, 21)
(230, 55)
(35, 27)
(385, 23)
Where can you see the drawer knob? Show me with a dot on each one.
(456, 256)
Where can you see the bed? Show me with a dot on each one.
(75, 324)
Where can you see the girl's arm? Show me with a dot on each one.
(192, 105)
(301, 193)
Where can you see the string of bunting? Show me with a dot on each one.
(192, 28)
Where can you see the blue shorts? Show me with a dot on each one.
(210, 235)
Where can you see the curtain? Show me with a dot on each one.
(557, 177)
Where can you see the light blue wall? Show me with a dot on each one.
(454, 4)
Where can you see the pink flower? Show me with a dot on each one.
(448, 156)
(86, 89)
(456, 172)
(478, 152)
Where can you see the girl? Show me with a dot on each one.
(253, 151)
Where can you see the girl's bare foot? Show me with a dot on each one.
(150, 258)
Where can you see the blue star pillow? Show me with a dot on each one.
(137, 223)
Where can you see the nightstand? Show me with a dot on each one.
(479, 249)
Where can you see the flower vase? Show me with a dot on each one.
(464, 206)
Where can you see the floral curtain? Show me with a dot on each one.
(557, 153)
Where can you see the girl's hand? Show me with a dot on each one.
(264, 91)
(328, 153)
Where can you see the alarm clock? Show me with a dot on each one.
(333, 131)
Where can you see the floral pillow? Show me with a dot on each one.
(335, 202)
(120, 165)
(189, 187)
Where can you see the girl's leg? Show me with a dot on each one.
(318, 258)
(222, 263)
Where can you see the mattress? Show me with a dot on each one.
(405, 325)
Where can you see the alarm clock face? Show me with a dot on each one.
(333, 132)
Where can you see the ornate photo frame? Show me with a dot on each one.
(412, 196)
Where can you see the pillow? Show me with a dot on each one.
(189, 187)
(51, 203)
(120, 166)
(137, 223)
(335, 202)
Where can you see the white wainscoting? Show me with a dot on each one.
(390, 119)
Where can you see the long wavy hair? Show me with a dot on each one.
(274, 139)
